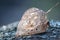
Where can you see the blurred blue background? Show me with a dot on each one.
(12, 10)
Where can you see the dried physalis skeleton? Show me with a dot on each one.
(33, 21)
